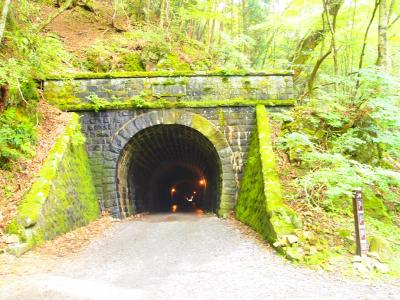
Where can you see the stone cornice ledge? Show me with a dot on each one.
(117, 105)
(224, 73)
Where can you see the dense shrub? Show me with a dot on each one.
(17, 137)
(348, 138)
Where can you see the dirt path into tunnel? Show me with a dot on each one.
(177, 256)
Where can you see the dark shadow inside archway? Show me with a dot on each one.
(171, 168)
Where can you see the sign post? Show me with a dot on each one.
(359, 222)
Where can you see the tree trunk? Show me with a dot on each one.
(232, 18)
(162, 12)
(167, 21)
(305, 49)
(314, 72)
(3, 19)
(4, 94)
(244, 16)
(382, 60)
(331, 8)
(360, 64)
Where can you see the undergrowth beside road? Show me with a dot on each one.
(334, 143)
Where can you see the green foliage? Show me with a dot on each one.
(97, 103)
(132, 62)
(118, 54)
(17, 137)
(138, 102)
(331, 178)
(352, 137)
(296, 144)
(26, 55)
(150, 49)
(230, 55)
(172, 63)
(348, 137)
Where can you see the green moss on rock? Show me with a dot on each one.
(132, 62)
(142, 103)
(251, 208)
(64, 93)
(223, 73)
(63, 196)
(260, 202)
(381, 246)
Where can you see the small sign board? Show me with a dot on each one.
(359, 222)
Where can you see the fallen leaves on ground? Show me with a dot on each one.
(45, 257)
(74, 241)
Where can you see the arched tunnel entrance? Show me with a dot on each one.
(169, 168)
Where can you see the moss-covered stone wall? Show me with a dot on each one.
(91, 91)
(260, 203)
(63, 196)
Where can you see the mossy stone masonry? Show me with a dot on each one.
(260, 202)
(162, 89)
(224, 108)
(63, 196)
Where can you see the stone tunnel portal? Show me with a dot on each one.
(170, 168)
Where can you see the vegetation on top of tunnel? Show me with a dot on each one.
(62, 197)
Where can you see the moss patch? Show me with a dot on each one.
(251, 208)
(62, 197)
(139, 103)
(260, 202)
(224, 73)
(173, 63)
(132, 62)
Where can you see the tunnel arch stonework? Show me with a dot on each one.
(108, 132)
(129, 130)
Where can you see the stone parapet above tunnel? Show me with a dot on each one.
(74, 92)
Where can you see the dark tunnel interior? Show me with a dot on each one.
(173, 168)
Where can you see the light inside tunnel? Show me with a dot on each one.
(171, 168)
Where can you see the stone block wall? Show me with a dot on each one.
(63, 196)
(236, 124)
(260, 203)
(153, 86)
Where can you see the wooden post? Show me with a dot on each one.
(359, 223)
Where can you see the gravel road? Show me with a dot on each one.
(184, 257)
